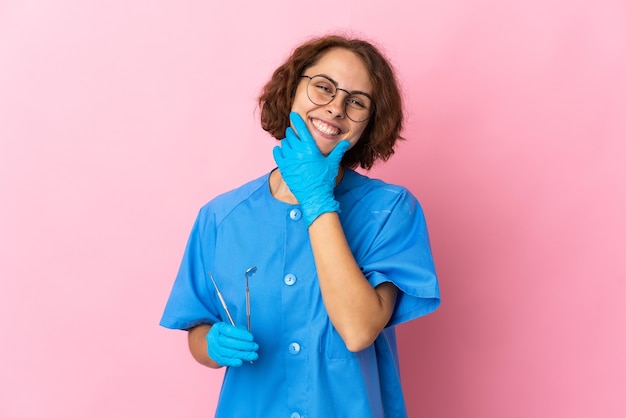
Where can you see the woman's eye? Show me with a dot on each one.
(354, 102)
(325, 88)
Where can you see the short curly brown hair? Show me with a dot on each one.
(384, 126)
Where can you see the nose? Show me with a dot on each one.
(337, 106)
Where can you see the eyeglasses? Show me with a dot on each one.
(322, 90)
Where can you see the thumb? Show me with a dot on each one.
(339, 150)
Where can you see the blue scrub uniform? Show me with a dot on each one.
(304, 369)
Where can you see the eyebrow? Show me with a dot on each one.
(351, 92)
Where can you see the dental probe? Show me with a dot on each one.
(222, 301)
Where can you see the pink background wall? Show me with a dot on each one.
(119, 119)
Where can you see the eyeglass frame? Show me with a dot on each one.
(337, 88)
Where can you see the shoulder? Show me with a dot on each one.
(376, 194)
(222, 205)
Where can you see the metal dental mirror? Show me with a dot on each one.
(248, 273)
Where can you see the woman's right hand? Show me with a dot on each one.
(231, 346)
(309, 174)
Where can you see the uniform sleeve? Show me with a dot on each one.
(401, 254)
(192, 301)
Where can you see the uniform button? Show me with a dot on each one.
(295, 415)
(295, 214)
(294, 348)
(290, 279)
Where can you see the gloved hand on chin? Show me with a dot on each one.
(310, 175)
(231, 346)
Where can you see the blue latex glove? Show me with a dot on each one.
(309, 175)
(230, 346)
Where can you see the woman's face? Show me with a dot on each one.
(328, 124)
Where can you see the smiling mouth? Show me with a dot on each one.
(325, 128)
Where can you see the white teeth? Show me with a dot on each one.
(325, 128)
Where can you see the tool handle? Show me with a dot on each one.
(230, 318)
(222, 301)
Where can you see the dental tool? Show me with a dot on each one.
(248, 273)
(223, 302)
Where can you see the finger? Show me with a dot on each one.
(249, 355)
(298, 146)
(293, 147)
(233, 353)
(290, 140)
(238, 333)
(225, 358)
(291, 135)
(234, 344)
(339, 150)
(233, 362)
(230, 361)
(278, 154)
(300, 127)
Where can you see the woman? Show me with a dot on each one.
(339, 259)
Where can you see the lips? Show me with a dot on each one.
(325, 128)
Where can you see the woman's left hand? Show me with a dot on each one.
(310, 175)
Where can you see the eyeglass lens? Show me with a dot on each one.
(322, 91)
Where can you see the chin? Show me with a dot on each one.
(325, 149)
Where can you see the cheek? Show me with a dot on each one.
(299, 100)
(357, 133)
